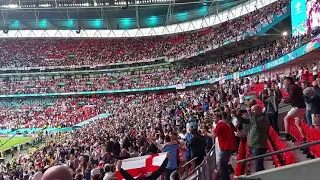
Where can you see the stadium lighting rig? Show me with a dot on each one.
(25, 4)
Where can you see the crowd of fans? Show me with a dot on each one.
(39, 113)
(245, 60)
(178, 122)
(183, 123)
(68, 52)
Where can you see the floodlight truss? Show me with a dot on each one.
(50, 4)
(207, 21)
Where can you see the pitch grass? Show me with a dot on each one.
(13, 142)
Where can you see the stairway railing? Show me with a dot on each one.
(303, 146)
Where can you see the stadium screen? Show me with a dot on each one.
(305, 16)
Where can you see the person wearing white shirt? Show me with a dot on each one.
(240, 131)
(241, 97)
(314, 71)
(300, 73)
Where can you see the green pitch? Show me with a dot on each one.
(12, 142)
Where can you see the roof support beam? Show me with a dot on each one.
(104, 17)
(208, 10)
(137, 15)
(36, 15)
(4, 14)
(169, 12)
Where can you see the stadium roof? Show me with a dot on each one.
(104, 14)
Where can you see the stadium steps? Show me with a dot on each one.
(298, 154)
(267, 162)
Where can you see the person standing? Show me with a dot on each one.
(272, 106)
(297, 111)
(172, 163)
(314, 71)
(226, 142)
(258, 133)
(305, 73)
(239, 134)
(314, 100)
(198, 147)
(278, 93)
(308, 93)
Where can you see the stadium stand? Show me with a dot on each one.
(161, 130)
(68, 52)
(248, 59)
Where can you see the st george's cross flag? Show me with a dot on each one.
(142, 166)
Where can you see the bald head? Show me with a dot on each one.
(256, 110)
(57, 173)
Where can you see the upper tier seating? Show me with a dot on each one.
(68, 52)
(243, 61)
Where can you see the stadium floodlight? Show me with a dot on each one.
(12, 6)
(44, 5)
(285, 33)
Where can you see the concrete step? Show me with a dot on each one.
(299, 156)
(267, 163)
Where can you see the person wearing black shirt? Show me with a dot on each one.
(297, 111)
(124, 155)
(116, 148)
(315, 105)
(152, 147)
(126, 143)
(272, 106)
(198, 147)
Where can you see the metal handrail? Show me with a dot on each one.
(248, 178)
(189, 162)
(187, 174)
(280, 151)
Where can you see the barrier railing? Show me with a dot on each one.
(245, 161)
(202, 172)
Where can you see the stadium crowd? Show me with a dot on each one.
(245, 60)
(69, 52)
(183, 123)
(41, 113)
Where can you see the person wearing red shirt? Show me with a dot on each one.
(226, 141)
(305, 74)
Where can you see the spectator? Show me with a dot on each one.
(305, 74)
(57, 172)
(198, 147)
(226, 144)
(272, 107)
(313, 98)
(314, 71)
(258, 134)
(298, 109)
(308, 93)
(239, 134)
(172, 163)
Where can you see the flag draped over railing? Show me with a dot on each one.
(142, 166)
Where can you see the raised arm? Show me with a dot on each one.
(124, 173)
(161, 169)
